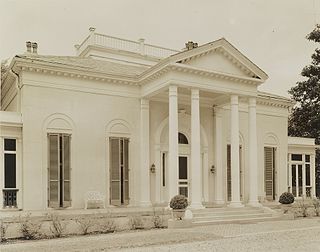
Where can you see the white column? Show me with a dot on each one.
(253, 161)
(173, 142)
(144, 157)
(196, 183)
(219, 182)
(235, 171)
(157, 154)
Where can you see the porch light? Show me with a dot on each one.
(213, 169)
(153, 168)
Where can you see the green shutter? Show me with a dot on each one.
(66, 171)
(126, 170)
(269, 172)
(115, 178)
(53, 171)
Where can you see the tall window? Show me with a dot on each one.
(59, 171)
(119, 171)
(10, 173)
(300, 185)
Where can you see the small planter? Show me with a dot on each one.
(178, 214)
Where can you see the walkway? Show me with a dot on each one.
(296, 235)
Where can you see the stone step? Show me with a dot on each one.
(224, 213)
(234, 221)
(228, 217)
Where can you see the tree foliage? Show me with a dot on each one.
(305, 118)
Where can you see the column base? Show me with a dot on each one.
(235, 204)
(254, 204)
(196, 205)
(145, 204)
(219, 202)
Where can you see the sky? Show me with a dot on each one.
(271, 33)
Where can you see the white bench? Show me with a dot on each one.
(94, 197)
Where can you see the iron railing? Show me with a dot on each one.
(10, 197)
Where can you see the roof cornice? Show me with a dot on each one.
(73, 72)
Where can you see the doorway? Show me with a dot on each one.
(183, 184)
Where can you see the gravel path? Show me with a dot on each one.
(296, 235)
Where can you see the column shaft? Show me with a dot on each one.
(219, 182)
(235, 164)
(253, 161)
(196, 171)
(173, 142)
(144, 157)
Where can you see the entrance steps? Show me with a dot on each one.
(226, 215)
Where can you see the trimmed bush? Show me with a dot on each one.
(179, 202)
(286, 198)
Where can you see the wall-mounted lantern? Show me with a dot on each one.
(153, 168)
(213, 169)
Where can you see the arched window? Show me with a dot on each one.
(182, 139)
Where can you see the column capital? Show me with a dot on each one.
(234, 99)
(217, 111)
(252, 101)
(144, 103)
(194, 93)
(173, 90)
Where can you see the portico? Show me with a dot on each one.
(185, 72)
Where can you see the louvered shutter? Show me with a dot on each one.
(66, 171)
(126, 171)
(268, 172)
(53, 171)
(115, 175)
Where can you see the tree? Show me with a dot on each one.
(305, 118)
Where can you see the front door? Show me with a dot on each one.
(183, 187)
(119, 171)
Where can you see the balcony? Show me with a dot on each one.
(138, 47)
(10, 198)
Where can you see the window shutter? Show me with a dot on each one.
(115, 175)
(66, 171)
(126, 170)
(53, 187)
(268, 172)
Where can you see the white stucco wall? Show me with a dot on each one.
(88, 116)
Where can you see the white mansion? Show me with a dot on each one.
(141, 123)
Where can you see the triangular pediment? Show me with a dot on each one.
(220, 56)
(218, 60)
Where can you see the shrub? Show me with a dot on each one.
(136, 222)
(303, 208)
(157, 220)
(179, 202)
(316, 205)
(30, 230)
(57, 227)
(85, 224)
(286, 198)
(107, 226)
(3, 231)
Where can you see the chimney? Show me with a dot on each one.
(190, 45)
(28, 44)
(34, 47)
